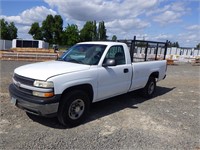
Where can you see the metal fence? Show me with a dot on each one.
(142, 50)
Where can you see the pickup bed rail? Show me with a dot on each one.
(141, 50)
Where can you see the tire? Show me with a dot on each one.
(73, 108)
(150, 88)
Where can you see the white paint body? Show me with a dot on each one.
(106, 82)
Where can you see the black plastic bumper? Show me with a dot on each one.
(164, 77)
(32, 104)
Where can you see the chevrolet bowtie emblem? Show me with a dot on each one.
(18, 84)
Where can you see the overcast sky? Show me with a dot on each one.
(174, 20)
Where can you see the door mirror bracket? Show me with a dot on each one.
(109, 62)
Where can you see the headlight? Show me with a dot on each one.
(43, 84)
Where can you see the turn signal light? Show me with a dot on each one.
(40, 94)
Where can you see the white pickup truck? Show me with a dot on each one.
(86, 73)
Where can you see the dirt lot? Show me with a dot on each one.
(170, 120)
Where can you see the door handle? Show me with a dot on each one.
(126, 70)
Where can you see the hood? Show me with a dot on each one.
(45, 70)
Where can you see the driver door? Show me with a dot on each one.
(114, 80)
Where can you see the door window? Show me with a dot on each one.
(117, 53)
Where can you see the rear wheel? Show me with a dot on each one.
(150, 88)
(73, 108)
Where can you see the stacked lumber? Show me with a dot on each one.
(29, 54)
(33, 50)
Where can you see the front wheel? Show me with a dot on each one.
(149, 89)
(73, 109)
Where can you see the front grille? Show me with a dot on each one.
(26, 91)
(23, 80)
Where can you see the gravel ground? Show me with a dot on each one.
(170, 120)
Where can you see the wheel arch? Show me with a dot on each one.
(154, 74)
(87, 88)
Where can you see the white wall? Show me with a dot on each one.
(5, 44)
(41, 44)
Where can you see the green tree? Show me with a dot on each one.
(52, 29)
(95, 34)
(102, 31)
(12, 31)
(58, 29)
(141, 44)
(8, 30)
(87, 32)
(47, 29)
(176, 44)
(4, 29)
(169, 44)
(114, 38)
(35, 31)
(71, 35)
(198, 46)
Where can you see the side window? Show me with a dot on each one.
(117, 53)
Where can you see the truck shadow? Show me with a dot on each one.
(129, 100)
(106, 107)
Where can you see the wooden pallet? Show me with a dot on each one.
(170, 62)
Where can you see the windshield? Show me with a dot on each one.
(88, 54)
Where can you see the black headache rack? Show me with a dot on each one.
(142, 50)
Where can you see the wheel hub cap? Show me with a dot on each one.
(76, 109)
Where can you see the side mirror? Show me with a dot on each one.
(109, 62)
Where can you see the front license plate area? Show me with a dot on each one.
(13, 101)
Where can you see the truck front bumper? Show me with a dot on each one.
(32, 104)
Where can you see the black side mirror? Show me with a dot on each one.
(109, 62)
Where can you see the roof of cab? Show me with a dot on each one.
(102, 42)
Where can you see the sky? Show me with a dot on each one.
(156, 20)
